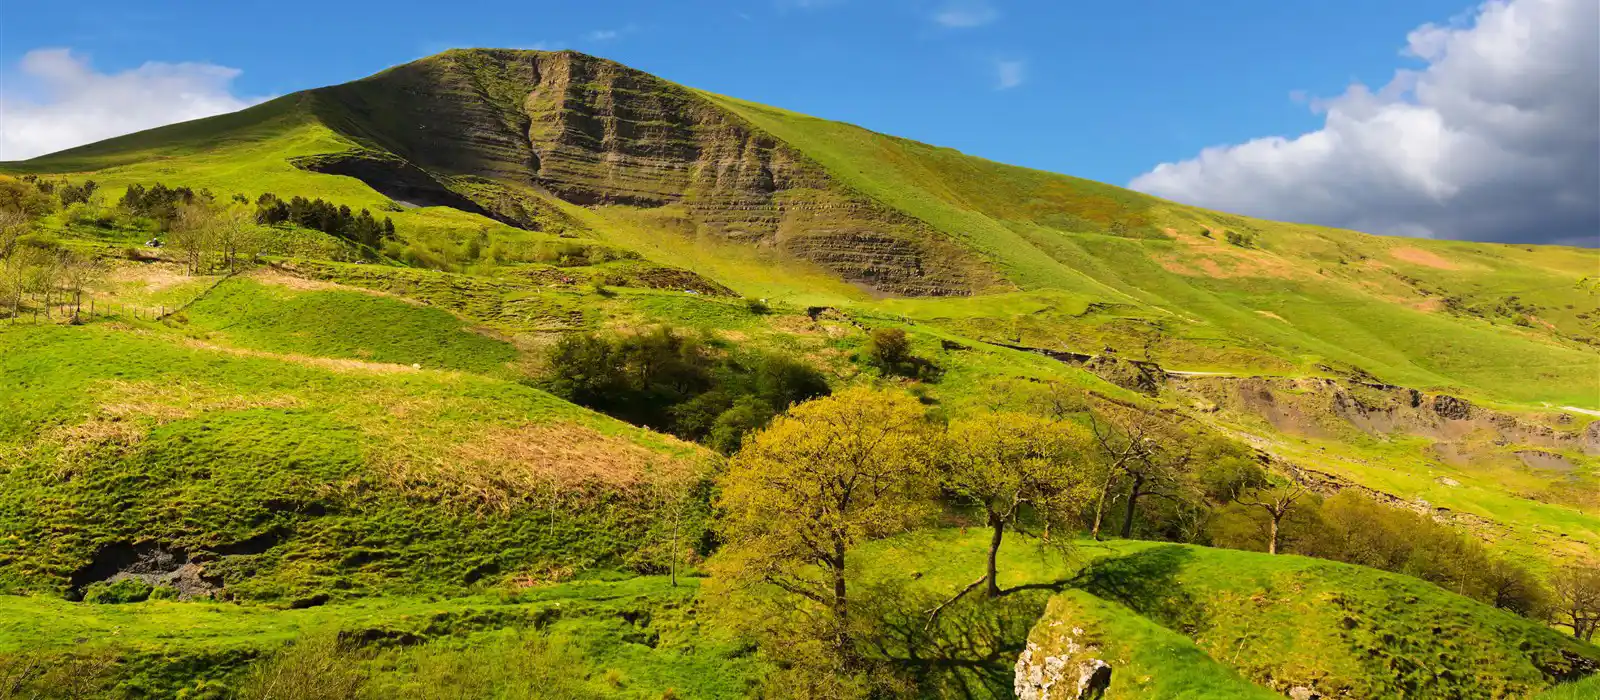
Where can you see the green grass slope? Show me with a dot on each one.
(1285, 621)
(635, 638)
(342, 323)
(1413, 312)
(1158, 277)
(290, 477)
(1148, 661)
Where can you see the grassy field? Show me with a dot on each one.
(1205, 618)
(631, 638)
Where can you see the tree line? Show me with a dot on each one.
(160, 209)
(335, 220)
(33, 265)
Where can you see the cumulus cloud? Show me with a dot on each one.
(963, 14)
(68, 103)
(1496, 138)
(1009, 74)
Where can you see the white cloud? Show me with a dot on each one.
(963, 14)
(600, 35)
(71, 104)
(1496, 138)
(1009, 74)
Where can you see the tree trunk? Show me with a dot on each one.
(1272, 543)
(1133, 503)
(675, 518)
(1100, 509)
(841, 609)
(999, 526)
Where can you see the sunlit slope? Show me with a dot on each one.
(1416, 312)
(261, 454)
(845, 215)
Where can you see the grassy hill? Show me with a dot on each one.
(277, 474)
(694, 179)
(349, 443)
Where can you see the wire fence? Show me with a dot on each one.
(41, 311)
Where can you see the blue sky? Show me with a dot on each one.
(1108, 89)
(1105, 90)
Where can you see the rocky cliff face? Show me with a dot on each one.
(593, 132)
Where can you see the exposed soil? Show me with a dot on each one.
(1549, 461)
(152, 564)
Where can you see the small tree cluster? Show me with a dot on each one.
(207, 235)
(70, 193)
(679, 383)
(360, 228)
(1243, 240)
(38, 267)
(158, 202)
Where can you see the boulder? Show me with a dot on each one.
(1061, 662)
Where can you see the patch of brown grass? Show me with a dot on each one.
(501, 465)
(330, 363)
(154, 277)
(1429, 305)
(128, 410)
(1425, 258)
(278, 278)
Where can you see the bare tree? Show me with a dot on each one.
(194, 235)
(1118, 447)
(13, 224)
(79, 272)
(1278, 501)
(236, 235)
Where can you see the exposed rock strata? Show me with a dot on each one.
(595, 133)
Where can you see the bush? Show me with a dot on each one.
(757, 306)
(1354, 529)
(889, 350)
(679, 384)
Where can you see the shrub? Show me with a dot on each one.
(1355, 529)
(678, 383)
(889, 350)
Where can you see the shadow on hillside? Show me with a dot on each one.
(1147, 583)
(972, 651)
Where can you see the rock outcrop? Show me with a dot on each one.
(1061, 662)
(592, 132)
